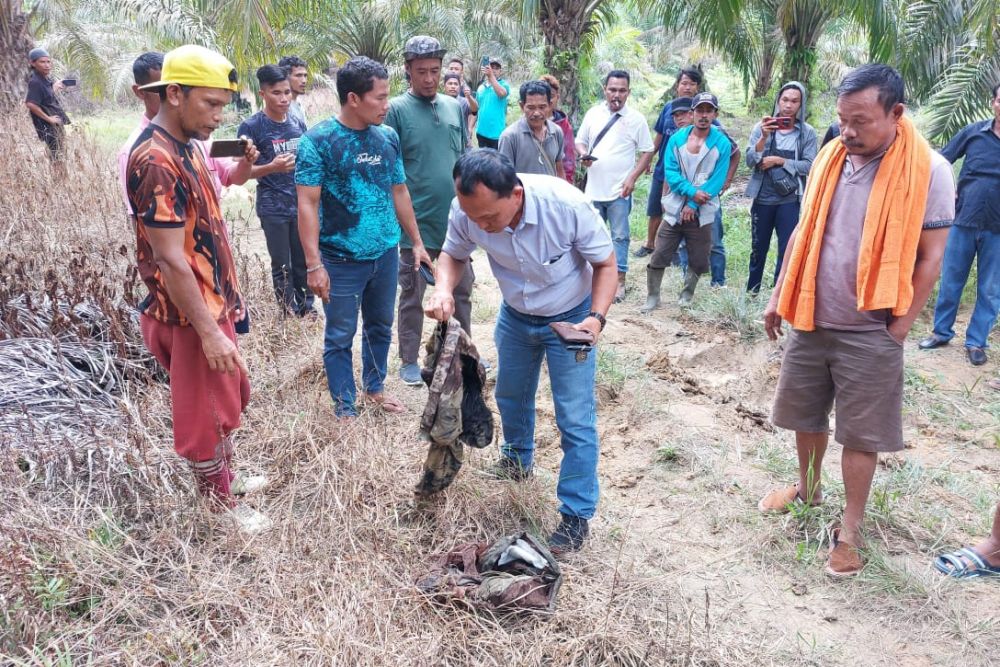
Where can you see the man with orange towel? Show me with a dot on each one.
(858, 270)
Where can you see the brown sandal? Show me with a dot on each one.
(844, 559)
(777, 501)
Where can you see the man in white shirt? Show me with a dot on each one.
(552, 257)
(608, 140)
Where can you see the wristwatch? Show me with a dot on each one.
(600, 318)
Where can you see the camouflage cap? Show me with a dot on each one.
(422, 46)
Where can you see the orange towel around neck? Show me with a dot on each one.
(893, 222)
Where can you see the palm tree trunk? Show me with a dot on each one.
(765, 70)
(564, 23)
(802, 24)
(15, 42)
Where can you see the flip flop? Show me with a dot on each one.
(386, 403)
(965, 564)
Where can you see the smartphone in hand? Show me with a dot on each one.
(426, 274)
(69, 83)
(228, 148)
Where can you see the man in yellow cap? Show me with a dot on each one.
(184, 258)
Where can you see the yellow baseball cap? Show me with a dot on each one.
(193, 65)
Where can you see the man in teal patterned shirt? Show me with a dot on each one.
(352, 202)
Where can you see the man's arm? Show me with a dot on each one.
(408, 221)
(308, 206)
(657, 142)
(713, 186)
(602, 293)
(930, 251)
(955, 148)
(734, 165)
(641, 166)
(283, 164)
(167, 244)
(471, 99)
(37, 110)
(809, 148)
(497, 88)
(441, 304)
(672, 174)
(506, 146)
(235, 171)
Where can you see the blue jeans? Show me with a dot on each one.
(522, 340)
(965, 245)
(615, 213)
(370, 287)
(765, 220)
(717, 258)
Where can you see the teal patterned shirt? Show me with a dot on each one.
(356, 171)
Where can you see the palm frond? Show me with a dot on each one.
(964, 92)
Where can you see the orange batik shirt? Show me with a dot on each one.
(169, 185)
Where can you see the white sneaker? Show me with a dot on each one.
(249, 520)
(243, 484)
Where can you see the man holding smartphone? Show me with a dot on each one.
(47, 114)
(492, 96)
(275, 132)
(554, 261)
(609, 138)
(780, 152)
(146, 70)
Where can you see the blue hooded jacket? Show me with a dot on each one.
(709, 176)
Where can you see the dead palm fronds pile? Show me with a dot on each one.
(107, 557)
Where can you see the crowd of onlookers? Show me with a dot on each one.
(368, 208)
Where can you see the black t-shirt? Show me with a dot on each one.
(40, 92)
(275, 192)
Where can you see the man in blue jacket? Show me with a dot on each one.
(694, 169)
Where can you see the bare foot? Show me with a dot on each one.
(386, 402)
(989, 550)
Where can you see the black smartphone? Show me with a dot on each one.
(69, 83)
(588, 156)
(228, 148)
(426, 274)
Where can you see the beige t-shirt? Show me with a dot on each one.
(837, 277)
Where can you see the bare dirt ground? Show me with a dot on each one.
(106, 557)
(687, 450)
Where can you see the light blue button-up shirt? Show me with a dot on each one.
(543, 265)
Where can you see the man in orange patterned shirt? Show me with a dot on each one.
(185, 260)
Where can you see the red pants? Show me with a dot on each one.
(206, 404)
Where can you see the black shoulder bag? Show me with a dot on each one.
(600, 135)
(784, 183)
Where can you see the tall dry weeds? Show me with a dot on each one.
(107, 557)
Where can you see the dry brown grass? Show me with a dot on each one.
(106, 556)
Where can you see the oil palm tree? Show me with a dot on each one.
(949, 53)
(754, 35)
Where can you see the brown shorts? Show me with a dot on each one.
(859, 371)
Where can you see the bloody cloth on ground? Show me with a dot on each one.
(514, 574)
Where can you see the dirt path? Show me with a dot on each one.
(687, 450)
